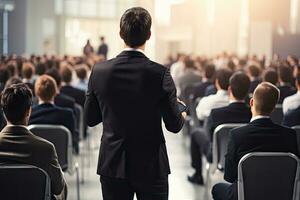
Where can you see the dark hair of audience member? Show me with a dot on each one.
(54, 73)
(28, 70)
(16, 100)
(13, 80)
(254, 71)
(222, 77)
(4, 75)
(231, 65)
(135, 26)
(12, 70)
(45, 88)
(270, 76)
(189, 63)
(239, 84)
(209, 71)
(266, 96)
(285, 74)
(66, 74)
(40, 69)
(81, 72)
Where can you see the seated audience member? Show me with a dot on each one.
(236, 112)
(189, 77)
(82, 83)
(207, 80)
(68, 89)
(60, 99)
(292, 118)
(260, 135)
(285, 74)
(292, 102)
(28, 72)
(253, 73)
(210, 90)
(19, 146)
(206, 104)
(270, 76)
(46, 112)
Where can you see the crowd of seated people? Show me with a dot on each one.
(240, 90)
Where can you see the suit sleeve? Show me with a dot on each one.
(231, 163)
(170, 112)
(209, 127)
(92, 111)
(58, 184)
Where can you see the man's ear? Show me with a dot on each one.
(251, 102)
(149, 35)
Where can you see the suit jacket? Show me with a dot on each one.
(19, 146)
(75, 93)
(210, 90)
(65, 101)
(253, 85)
(2, 119)
(285, 91)
(260, 135)
(236, 112)
(50, 114)
(292, 118)
(199, 88)
(130, 94)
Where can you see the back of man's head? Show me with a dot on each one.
(135, 26)
(265, 98)
(66, 74)
(209, 71)
(239, 85)
(254, 71)
(222, 78)
(54, 73)
(285, 74)
(45, 88)
(270, 76)
(28, 70)
(16, 102)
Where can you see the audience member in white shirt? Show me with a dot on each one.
(220, 99)
(177, 70)
(292, 102)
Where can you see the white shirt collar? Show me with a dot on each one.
(222, 92)
(11, 125)
(237, 101)
(259, 117)
(133, 49)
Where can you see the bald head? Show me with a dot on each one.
(265, 98)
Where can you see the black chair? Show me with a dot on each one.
(277, 114)
(18, 182)
(297, 129)
(61, 138)
(264, 176)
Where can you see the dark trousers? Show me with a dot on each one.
(200, 145)
(224, 191)
(123, 189)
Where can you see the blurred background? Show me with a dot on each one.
(202, 27)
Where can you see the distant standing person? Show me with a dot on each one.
(103, 48)
(88, 49)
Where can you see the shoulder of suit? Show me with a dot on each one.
(42, 143)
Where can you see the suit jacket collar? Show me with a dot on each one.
(15, 130)
(131, 54)
(46, 105)
(237, 105)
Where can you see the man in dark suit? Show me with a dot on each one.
(19, 146)
(292, 118)
(236, 112)
(208, 75)
(260, 135)
(285, 78)
(68, 89)
(130, 94)
(48, 113)
(103, 48)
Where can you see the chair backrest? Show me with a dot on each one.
(264, 176)
(297, 129)
(24, 182)
(79, 119)
(220, 142)
(61, 137)
(277, 114)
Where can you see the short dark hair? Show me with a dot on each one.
(53, 72)
(13, 80)
(45, 88)
(28, 70)
(223, 76)
(81, 72)
(285, 73)
(266, 96)
(254, 70)
(239, 84)
(16, 100)
(40, 68)
(270, 76)
(135, 26)
(66, 74)
(209, 71)
(4, 75)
